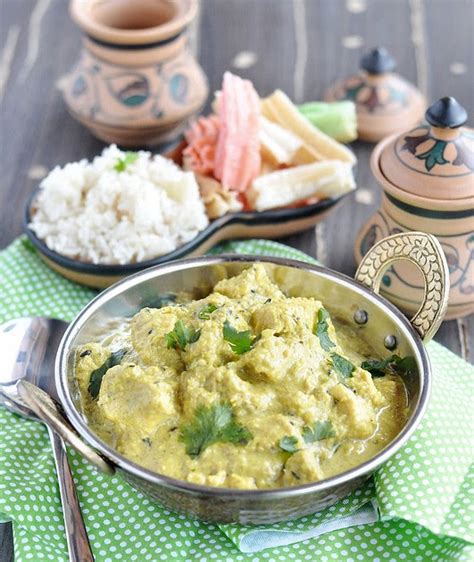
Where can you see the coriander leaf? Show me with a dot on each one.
(342, 366)
(194, 336)
(180, 336)
(393, 365)
(206, 311)
(319, 431)
(97, 375)
(235, 433)
(321, 330)
(288, 444)
(240, 342)
(376, 367)
(125, 160)
(212, 424)
(406, 365)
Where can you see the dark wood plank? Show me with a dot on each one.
(6, 542)
(467, 334)
(449, 45)
(228, 28)
(449, 335)
(40, 131)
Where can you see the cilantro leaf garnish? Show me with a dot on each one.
(206, 311)
(212, 424)
(97, 375)
(288, 444)
(321, 330)
(125, 160)
(342, 366)
(180, 336)
(319, 431)
(393, 365)
(240, 342)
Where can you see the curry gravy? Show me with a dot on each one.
(245, 388)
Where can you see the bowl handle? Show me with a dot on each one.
(426, 253)
(49, 412)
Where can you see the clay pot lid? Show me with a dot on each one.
(385, 102)
(435, 160)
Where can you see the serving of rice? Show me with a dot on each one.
(120, 208)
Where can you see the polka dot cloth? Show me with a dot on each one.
(417, 508)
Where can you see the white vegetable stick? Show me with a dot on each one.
(278, 145)
(305, 154)
(284, 187)
(279, 108)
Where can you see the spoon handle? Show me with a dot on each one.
(76, 535)
(49, 412)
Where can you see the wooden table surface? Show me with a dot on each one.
(300, 46)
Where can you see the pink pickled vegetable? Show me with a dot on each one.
(202, 141)
(237, 157)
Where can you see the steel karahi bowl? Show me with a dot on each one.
(353, 301)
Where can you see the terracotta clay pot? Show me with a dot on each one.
(136, 82)
(385, 102)
(427, 176)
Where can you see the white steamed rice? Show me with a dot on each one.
(90, 212)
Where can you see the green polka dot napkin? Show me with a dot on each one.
(418, 507)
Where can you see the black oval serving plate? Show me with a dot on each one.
(245, 224)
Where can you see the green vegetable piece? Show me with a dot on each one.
(406, 365)
(205, 312)
(97, 375)
(180, 336)
(342, 366)
(212, 424)
(337, 119)
(319, 431)
(123, 162)
(393, 365)
(240, 342)
(321, 330)
(288, 444)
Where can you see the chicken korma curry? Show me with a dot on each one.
(246, 388)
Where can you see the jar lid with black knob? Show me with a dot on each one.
(386, 103)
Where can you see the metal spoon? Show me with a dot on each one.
(28, 350)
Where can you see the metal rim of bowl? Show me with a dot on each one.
(251, 218)
(80, 425)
